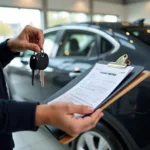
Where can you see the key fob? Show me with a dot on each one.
(33, 62)
(42, 61)
(33, 66)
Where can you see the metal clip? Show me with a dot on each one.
(122, 62)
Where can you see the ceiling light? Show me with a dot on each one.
(127, 33)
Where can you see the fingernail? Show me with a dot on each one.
(90, 109)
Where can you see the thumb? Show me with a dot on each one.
(31, 46)
(81, 109)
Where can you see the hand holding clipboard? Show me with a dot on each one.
(133, 75)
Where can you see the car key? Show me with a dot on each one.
(42, 63)
(33, 66)
(42, 78)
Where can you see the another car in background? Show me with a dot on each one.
(72, 49)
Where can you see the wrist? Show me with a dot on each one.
(41, 116)
(10, 45)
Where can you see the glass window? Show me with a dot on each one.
(13, 20)
(104, 18)
(79, 17)
(105, 45)
(57, 17)
(30, 17)
(110, 18)
(77, 44)
(49, 42)
(61, 17)
(97, 18)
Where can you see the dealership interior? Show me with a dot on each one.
(77, 35)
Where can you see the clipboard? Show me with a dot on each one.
(133, 79)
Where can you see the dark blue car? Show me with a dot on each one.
(72, 49)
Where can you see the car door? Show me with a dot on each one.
(72, 58)
(20, 73)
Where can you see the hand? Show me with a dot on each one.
(61, 115)
(30, 38)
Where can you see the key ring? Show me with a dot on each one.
(42, 52)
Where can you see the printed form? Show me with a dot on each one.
(99, 83)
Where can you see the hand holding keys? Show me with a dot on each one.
(39, 62)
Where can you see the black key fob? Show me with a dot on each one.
(42, 61)
(33, 62)
(33, 66)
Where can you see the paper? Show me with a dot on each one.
(96, 86)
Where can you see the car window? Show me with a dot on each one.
(49, 42)
(105, 45)
(77, 43)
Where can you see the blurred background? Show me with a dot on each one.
(15, 14)
(78, 33)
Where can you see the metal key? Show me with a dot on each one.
(42, 63)
(33, 66)
(42, 78)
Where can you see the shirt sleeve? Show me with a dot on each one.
(17, 116)
(6, 55)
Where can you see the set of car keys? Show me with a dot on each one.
(39, 62)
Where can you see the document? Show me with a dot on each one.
(99, 83)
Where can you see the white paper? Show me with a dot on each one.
(96, 86)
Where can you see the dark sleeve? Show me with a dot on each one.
(17, 116)
(6, 55)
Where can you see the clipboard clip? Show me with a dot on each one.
(122, 62)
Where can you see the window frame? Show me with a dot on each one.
(104, 14)
(56, 40)
(68, 11)
(19, 8)
(100, 32)
(101, 52)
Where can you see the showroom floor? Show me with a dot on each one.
(40, 140)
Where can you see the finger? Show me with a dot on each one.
(94, 124)
(38, 34)
(31, 46)
(86, 123)
(97, 115)
(34, 40)
(80, 109)
(89, 128)
(90, 120)
(97, 119)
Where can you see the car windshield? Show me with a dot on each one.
(142, 34)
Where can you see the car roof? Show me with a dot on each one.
(105, 25)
